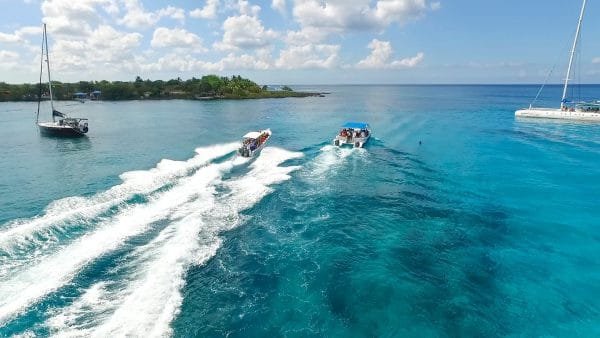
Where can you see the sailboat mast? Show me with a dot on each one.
(37, 117)
(562, 102)
(49, 79)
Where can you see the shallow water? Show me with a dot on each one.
(456, 220)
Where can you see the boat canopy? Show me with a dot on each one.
(253, 135)
(356, 125)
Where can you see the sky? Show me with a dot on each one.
(301, 41)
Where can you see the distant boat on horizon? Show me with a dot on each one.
(579, 111)
(64, 126)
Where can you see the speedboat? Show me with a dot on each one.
(254, 142)
(355, 134)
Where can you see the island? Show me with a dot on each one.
(208, 87)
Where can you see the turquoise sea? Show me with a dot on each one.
(457, 220)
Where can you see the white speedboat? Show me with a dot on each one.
(254, 142)
(355, 134)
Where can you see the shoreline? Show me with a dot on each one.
(278, 95)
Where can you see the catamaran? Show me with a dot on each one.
(254, 142)
(355, 134)
(64, 126)
(578, 111)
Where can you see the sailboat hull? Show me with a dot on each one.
(558, 114)
(49, 129)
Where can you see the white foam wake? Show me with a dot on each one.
(79, 209)
(149, 303)
(331, 158)
(22, 288)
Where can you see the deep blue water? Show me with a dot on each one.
(456, 220)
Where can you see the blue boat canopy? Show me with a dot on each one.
(356, 125)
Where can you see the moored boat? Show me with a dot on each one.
(589, 111)
(254, 142)
(355, 134)
(61, 124)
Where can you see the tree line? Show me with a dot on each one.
(208, 86)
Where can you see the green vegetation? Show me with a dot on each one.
(207, 87)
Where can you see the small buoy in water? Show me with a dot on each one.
(419, 142)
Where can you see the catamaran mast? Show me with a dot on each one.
(562, 102)
(48, 63)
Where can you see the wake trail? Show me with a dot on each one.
(39, 231)
(331, 158)
(146, 305)
(22, 288)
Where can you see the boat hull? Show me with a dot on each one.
(244, 151)
(60, 131)
(356, 142)
(558, 114)
(251, 153)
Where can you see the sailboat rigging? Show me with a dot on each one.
(64, 126)
(579, 111)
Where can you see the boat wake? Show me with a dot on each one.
(332, 158)
(147, 295)
(36, 235)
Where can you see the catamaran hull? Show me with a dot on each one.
(558, 114)
(60, 131)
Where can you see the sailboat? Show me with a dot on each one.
(61, 124)
(578, 111)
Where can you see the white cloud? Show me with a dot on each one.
(137, 17)
(342, 15)
(596, 60)
(8, 56)
(279, 5)
(381, 52)
(244, 7)
(209, 11)
(244, 32)
(4, 37)
(175, 38)
(105, 47)
(70, 18)
(173, 13)
(409, 62)
(29, 30)
(307, 35)
(187, 63)
(20, 34)
(309, 56)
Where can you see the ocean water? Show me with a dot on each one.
(456, 220)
